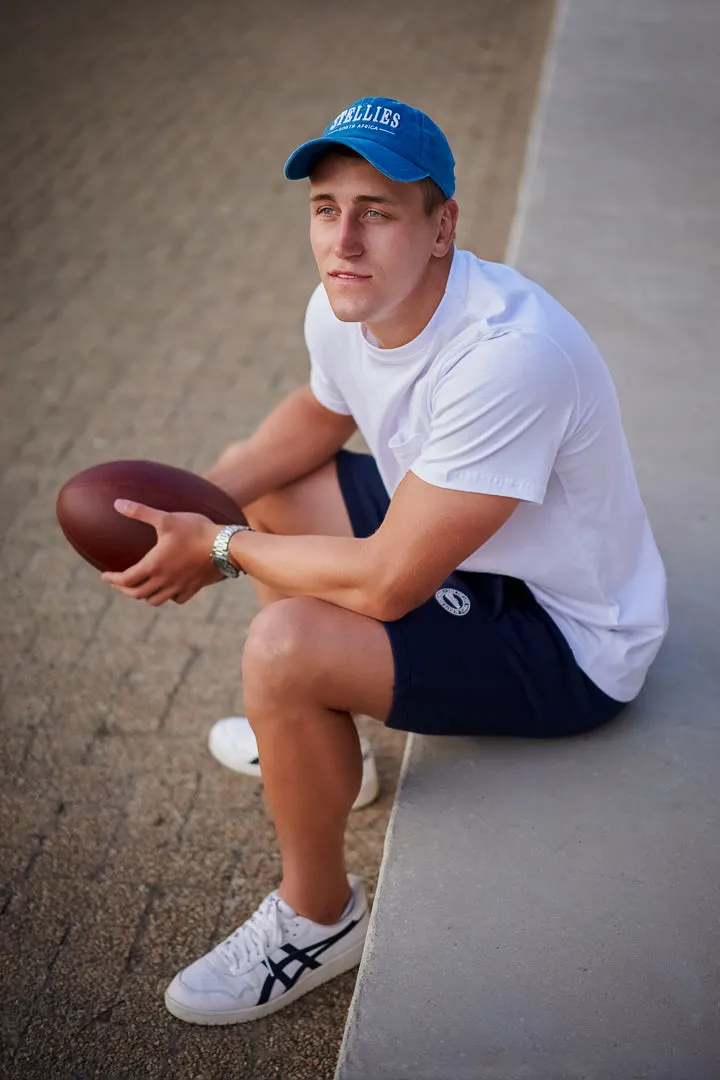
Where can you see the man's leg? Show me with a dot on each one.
(308, 665)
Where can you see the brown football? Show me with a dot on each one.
(110, 541)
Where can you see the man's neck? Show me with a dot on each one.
(417, 311)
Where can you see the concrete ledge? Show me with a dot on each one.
(547, 910)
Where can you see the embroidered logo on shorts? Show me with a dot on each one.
(454, 601)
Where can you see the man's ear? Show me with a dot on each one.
(446, 228)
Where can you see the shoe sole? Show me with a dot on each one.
(331, 970)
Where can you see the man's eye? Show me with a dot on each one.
(374, 214)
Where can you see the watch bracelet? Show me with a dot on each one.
(228, 531)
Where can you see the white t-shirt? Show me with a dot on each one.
(504, 393)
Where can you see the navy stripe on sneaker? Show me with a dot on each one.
(307, 959)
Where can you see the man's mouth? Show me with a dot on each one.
(347, 275)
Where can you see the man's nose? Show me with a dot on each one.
(348, 239)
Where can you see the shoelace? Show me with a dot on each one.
(250, 943)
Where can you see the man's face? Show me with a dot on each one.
(372, 240)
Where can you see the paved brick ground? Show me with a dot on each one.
(155, 271)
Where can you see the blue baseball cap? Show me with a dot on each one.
(399, 141)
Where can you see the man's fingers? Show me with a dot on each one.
(127, 579)
(141, 591)
(151, 591)
(141, 512)
(124, 590)
(161, 597)
(184, 596)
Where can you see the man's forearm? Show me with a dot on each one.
(296, 438)
(338, 569)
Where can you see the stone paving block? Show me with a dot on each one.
(107, 1050)
(232, 613)
(235, 805)
(24, 983)
(80, 986)
(81, 935)
(192, 622)
(153, 753)
(208, 693)
(26, 815)
(75, 993)
(25, 701)
(72, 615)
(203, 607)
(235, 1053)
(132, 1037)
(220, 787)
(82, 710)
(15, 746)
(95, 1050)
(83, 691)
(55, 686)
(17, 855)
(54, 749)
(178, 929)
(85, 782)
(185, 625)
(40, 913)
(168, 867)
(28, 695)
(143, 696)
(121, 633)
(101, 1037)
(78, 846)
(159, 807)
(16, 634)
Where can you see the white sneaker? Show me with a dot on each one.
(268, 962)
(232, 743)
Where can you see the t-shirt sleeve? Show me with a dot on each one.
(319, 341)
(498, 418)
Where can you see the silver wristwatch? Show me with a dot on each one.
(219, 555)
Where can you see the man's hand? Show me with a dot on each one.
(178, 566)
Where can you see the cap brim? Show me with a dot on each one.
(303, 160)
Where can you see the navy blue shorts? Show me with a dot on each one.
(481, 657)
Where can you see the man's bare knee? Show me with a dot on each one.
(279, 647)
(303, 649)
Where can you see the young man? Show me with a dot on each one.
(490, 569)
